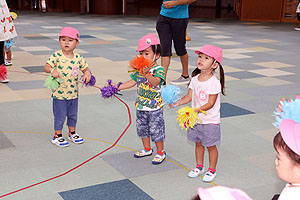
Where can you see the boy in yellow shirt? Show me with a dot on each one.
(66, 64)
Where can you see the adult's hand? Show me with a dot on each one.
(169, 4)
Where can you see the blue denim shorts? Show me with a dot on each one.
(151, 124)
(208, 134)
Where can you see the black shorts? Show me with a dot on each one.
(172, 29)
(298, 16)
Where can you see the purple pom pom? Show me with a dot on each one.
(109, 91)
(92, 81)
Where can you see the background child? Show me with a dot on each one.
(204, 92)
(287, 146)
(298, 16)
(149, 114)
(8, 43)
(7, 32)
(65, 64)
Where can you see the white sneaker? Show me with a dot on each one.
(297, 29)
(181, 81)
(75, 138)
(8, 63)
(59, 141)
(4, 81)
(209, 176)
(196, 172)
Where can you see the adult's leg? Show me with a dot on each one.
(165, 36)
(179, 27)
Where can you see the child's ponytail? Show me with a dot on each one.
(222, 79)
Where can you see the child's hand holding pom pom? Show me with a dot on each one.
(169, 94)
(139, 63)
(88, 80)
(188, 117)
(110, 90)
(53, 83)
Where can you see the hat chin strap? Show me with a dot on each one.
(154, 58)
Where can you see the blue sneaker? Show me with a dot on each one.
(75, 138)
(59, 141)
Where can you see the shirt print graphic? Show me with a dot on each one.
(202, 96)
(148, 96)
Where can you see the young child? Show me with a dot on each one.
(287, 146)
(298, 16)
(204, 92)
(149, 114)
(8, 43)
(65, 64)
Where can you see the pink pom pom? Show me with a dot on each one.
(3, 72)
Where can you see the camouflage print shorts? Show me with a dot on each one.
(151, 124)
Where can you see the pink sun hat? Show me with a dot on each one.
(290, 132)
(147, 41)
(222, 193)
(69, 32)
(212, 51)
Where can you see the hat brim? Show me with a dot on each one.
(290, 132)
(206, 53)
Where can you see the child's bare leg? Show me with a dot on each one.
(199, 152)
(159, 146)
(146, 143)
(213, 156)
(58, 132)
(71, 129)
(8, 56)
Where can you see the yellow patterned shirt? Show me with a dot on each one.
(69, 70)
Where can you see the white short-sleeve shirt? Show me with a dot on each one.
(290, 193)
(201, 92)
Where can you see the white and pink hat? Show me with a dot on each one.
(221, 192)
(212, 51)
(69, 32)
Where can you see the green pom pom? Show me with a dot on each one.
(52, 83)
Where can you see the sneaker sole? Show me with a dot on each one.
(157, 163)
(62, 146)
(181, 83)
(136, 156)
(76, 142)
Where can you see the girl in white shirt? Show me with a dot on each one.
(204, 92)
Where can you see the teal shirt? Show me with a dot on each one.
(177, 12)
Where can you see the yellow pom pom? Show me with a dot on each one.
(187, 117)
(13, 15)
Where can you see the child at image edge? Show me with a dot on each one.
(65, 64)
(287, 146)
(204, 92)
(149, 114)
